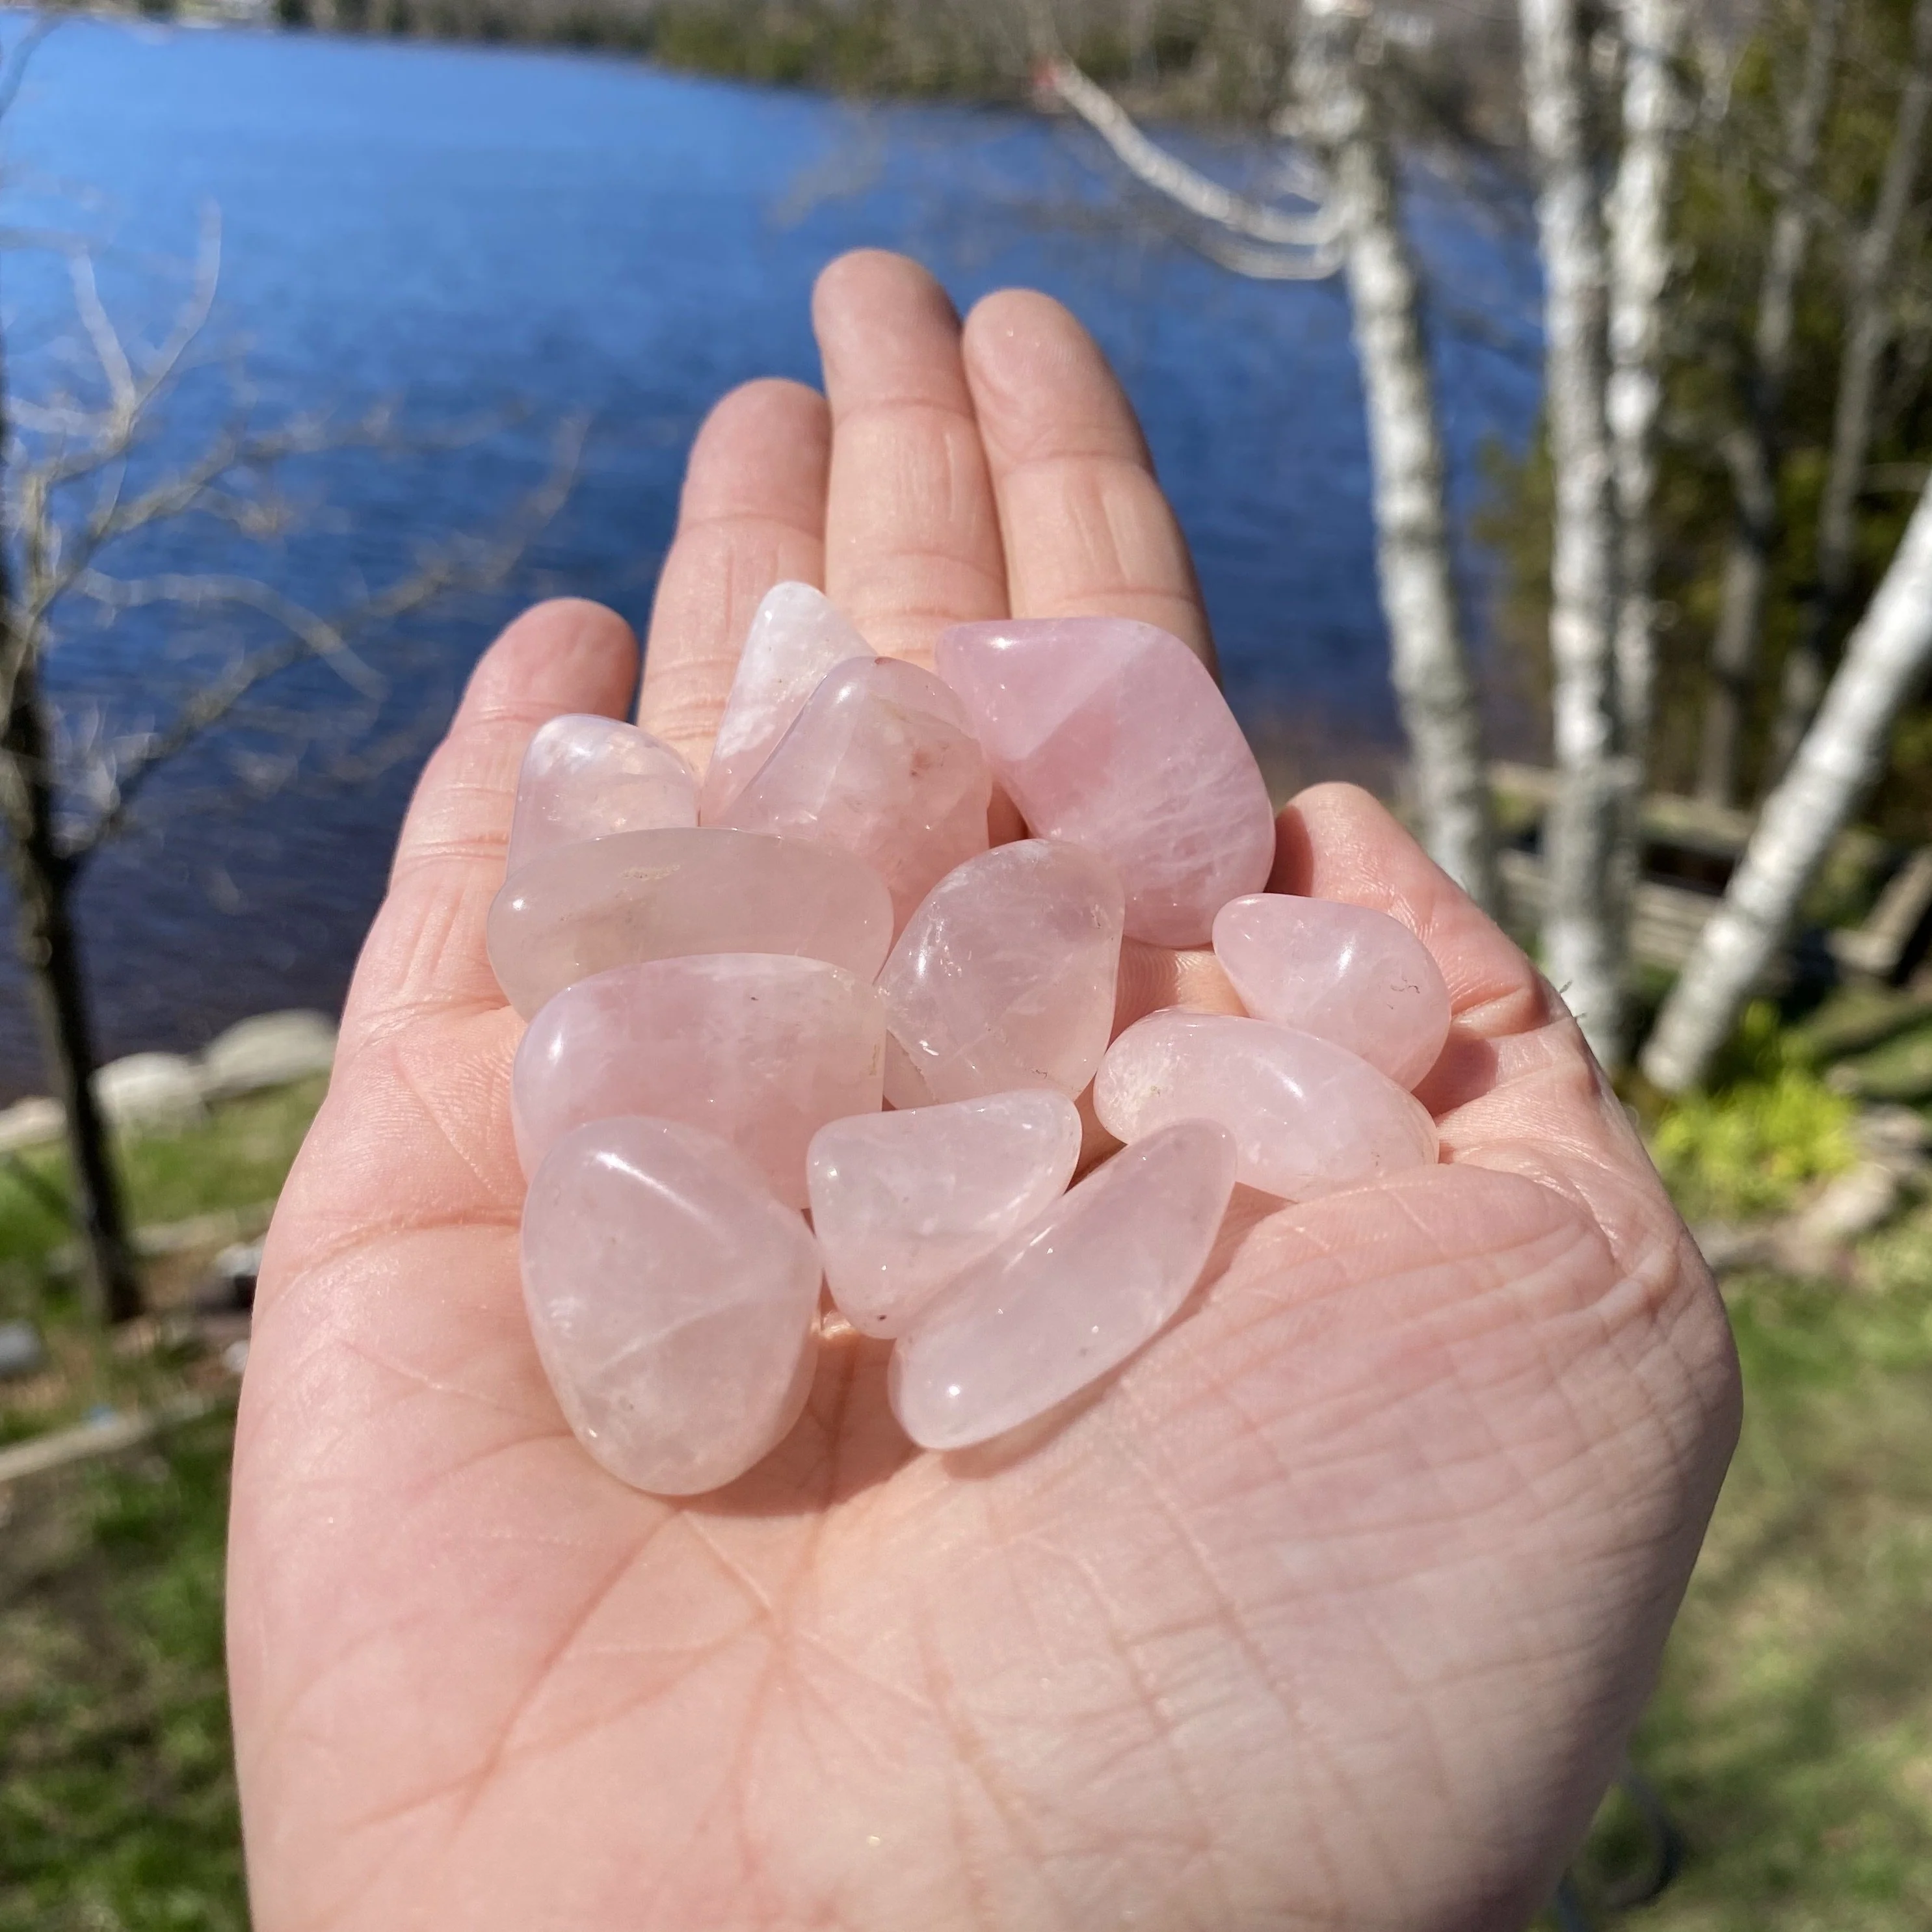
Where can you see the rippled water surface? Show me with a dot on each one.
(502, 240)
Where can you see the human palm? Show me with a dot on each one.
(1333, 1608)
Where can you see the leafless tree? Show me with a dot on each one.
(81, 494)
(1870, 322)
(1752, 451)
(1839, 759)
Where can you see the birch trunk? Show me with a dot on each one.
(1583, 931)
(1868, 331)
(1429, 658)
(1640, 201)
(1840, 757)
(1753, 453)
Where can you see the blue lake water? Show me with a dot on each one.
(503, 239)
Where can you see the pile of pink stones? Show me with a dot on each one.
(809, 982)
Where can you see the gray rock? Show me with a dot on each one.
(270, 1051)
(22, 1350)
(31, 1123)
(151, 1090)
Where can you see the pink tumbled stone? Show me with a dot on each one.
(1113, 736)
(1309, 1116)
(1342, 972)
(586, 777)
(674, 1301)
(1004, 977)
(879, 764)
(639, 895)
(1096, 1278)
(903, 1202)
(797, 636)
(757, 1049)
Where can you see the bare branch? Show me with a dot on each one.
(20, 58)
(461, 565)
(1185, 186)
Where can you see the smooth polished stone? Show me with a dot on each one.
(757, 1049)
(586, 777)
(674, 1301)
(879, 764)
(1309, 1116)
(639, 895)
(797, 636)
(1004, 977)
(903, 1202)
(1056, 1307)
(1113, 736)
(1343, 972)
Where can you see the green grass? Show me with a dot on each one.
(117, 1790)
(237, 1158)
(1792, 1735)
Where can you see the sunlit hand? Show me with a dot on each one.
(1333, 1609)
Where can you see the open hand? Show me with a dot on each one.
(1333, 1608)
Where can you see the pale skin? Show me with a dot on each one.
(1333, 1609)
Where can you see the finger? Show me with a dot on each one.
(912, 536)
(1516, 1088)
(425, 951)
(1086, 529)
(752, 515)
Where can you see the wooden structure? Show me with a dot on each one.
(1690, 849)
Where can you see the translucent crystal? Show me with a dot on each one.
(1056, 1307)
(1344, 972)
(796, 637)
(1004, 977)
(638, 896)
(1309, 1117)
(879, 763)
(903, 1202)
(586, 777)
(1112, 735)
(757, 1049)
(674, 1301)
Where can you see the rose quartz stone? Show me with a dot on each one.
(879, 764)
(757, 1049)
(674, 1301)
(903, 1202)
(797, 636)
(1004, 977)
(1309, 1117)
(1113, 736)
(1057, 1306)
(1342, 972)
(639, 895)
(586, 777)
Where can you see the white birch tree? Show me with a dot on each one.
(1353, 224)
(1839, 759)
(1654, 113)
(1435, 688)
(1871, 313)
(1751, 451)
(1584, 931)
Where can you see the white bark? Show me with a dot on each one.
(1753, 452)
(1868, 332)
(1653, 123)
(1583, 930)
(1429, 658)
(1840, 758)
(1171, 177)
